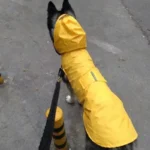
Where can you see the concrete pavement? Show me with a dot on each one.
(29, 62)
(140, 13)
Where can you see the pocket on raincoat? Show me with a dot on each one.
(92, 76)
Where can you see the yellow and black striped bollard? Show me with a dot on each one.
(59, 135)
(1, 79)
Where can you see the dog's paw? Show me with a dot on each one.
(69, 99)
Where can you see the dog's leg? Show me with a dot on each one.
(89, 145)
(69, 98)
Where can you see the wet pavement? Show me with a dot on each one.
(29, 63)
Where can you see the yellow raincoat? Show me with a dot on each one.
(105, 119)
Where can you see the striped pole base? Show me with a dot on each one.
(59, 135)
(1, 79)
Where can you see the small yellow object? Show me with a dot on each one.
(59, 135)
(1, 79)
(105, 119)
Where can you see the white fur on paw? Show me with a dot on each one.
(69, 99)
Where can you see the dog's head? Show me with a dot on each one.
(54, 14)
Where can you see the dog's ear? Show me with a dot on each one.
(51, 19)
(67, 9)
(51, 8)
(52, 15)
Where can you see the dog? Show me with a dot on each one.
(106, 122)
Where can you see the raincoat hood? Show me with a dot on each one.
(68, 35)
(105, 119)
